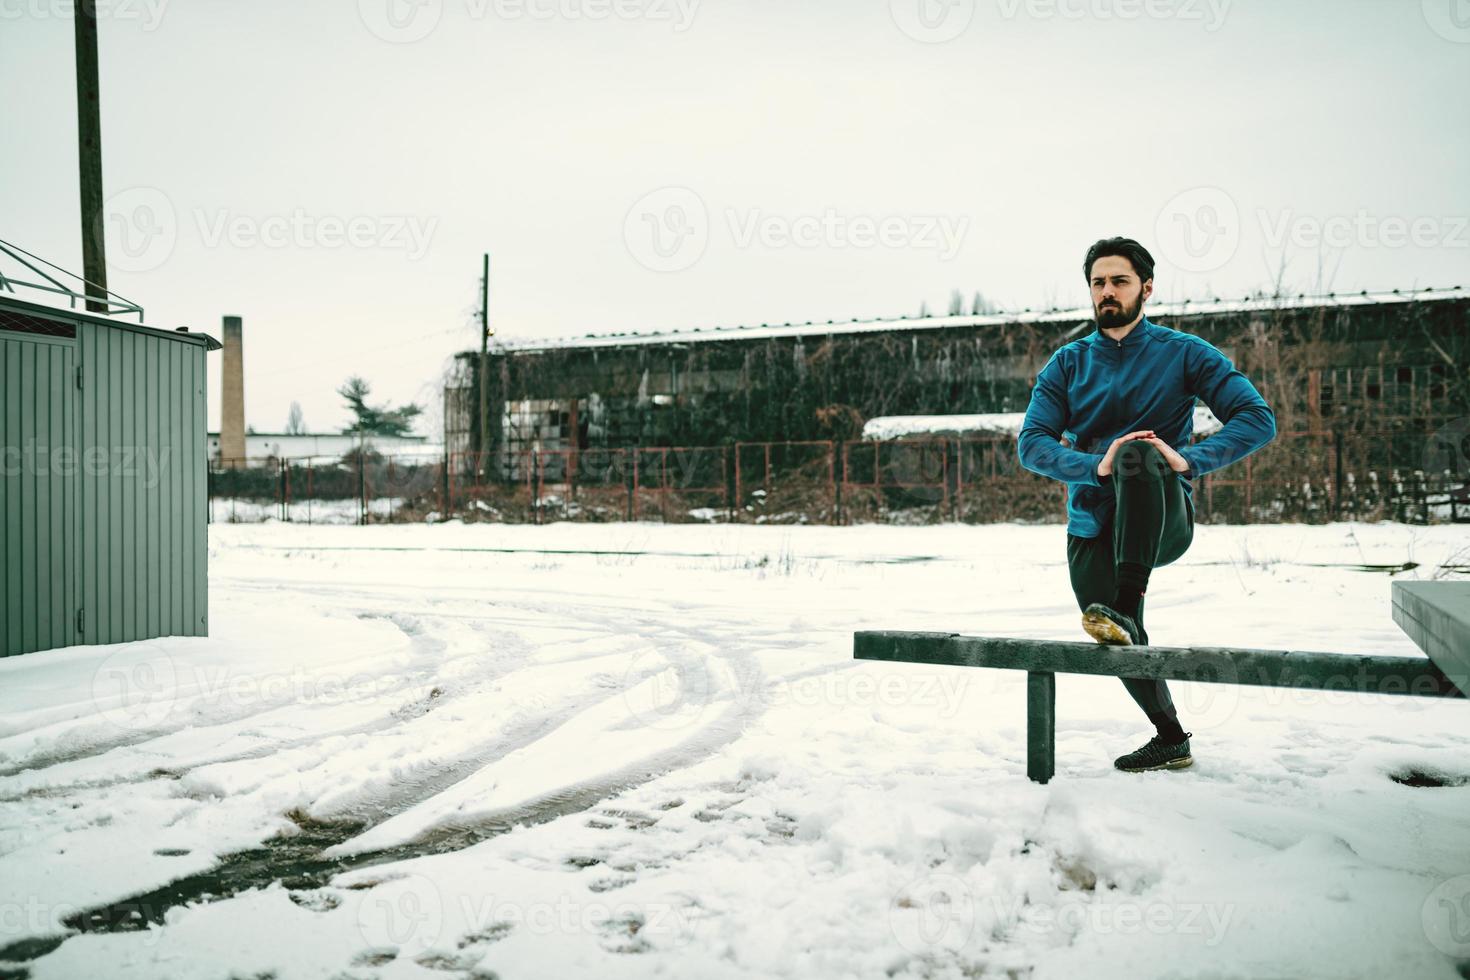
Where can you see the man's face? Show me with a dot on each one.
(1117, 293)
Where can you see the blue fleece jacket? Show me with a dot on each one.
(1096, 389)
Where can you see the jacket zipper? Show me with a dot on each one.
(1113, 387)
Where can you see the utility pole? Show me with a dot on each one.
(89, 156)
(484, 366)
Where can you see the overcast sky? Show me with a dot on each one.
(333, 170)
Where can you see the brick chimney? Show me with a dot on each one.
(232, 407)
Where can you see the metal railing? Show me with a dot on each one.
(115, 305)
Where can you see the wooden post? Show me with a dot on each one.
(484, 364)
(89, 156)
(1041, 725)
(630, 461)
(536, 493)
(739, 495)
(839, 477)
(1249, 485)
(361, 481)
(444, 476)
(832, 483)
(846, 450)
(725, 482)
(663, 497)
(1337, 475)
(572, 457)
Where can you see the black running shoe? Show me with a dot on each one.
(1157, 754)
(1106, 625)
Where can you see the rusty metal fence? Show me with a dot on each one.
(1299, 477)
(354, 489)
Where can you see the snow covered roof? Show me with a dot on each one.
(1006, 423)
(1156, 311)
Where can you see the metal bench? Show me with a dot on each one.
(1440, 619)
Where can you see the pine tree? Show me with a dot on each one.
(380, 420)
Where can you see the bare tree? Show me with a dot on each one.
(295, 421)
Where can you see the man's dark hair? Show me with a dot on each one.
(1136, 254)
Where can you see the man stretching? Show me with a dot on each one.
(1130, 386)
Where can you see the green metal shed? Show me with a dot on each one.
(103, 463)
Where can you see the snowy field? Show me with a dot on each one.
(236, 510)
(642, 750)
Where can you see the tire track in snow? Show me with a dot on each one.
(424, 647)
(301, 860)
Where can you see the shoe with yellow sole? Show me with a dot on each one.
(1157, 754)
(1106, 625)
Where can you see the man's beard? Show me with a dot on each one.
(1120, 315)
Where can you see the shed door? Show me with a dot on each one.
(39, 467)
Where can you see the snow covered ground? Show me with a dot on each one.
(1009, 423)
(645, 750)
(238, 510)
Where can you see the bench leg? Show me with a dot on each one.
(1041, 725)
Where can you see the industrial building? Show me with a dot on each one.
(724, 421)
(1364, 361)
